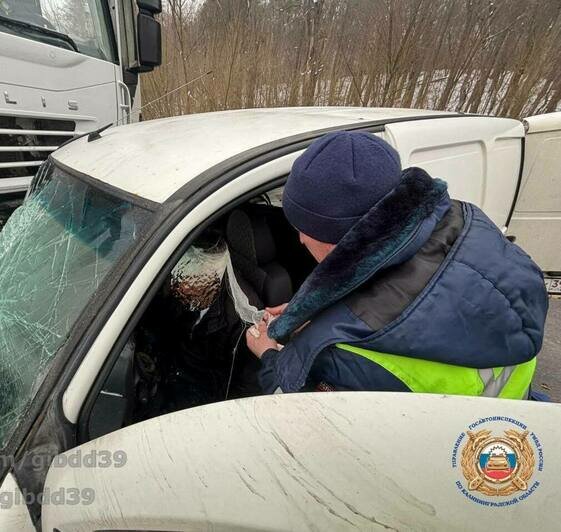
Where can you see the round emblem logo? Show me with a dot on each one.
(497, 466)
(498, 463)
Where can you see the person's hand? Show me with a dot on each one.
(272, 313)
(258, 340)
(276, 311)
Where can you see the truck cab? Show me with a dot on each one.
(67, 67)
(122, 342)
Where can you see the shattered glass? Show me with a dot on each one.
(197, 277)
(55, 251)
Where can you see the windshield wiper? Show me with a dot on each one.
(45, 31)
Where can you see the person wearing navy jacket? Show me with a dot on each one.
(413, 291)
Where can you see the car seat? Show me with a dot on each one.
(254, 258)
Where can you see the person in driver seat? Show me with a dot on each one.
(189, 330)
(413, 291)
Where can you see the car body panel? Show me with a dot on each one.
(319, 461)
(155, 159)
(479, 157)
(13, 510)
(536, 222)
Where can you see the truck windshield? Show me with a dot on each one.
(80, 25)
(55, 251)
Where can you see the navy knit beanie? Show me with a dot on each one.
(336, 181)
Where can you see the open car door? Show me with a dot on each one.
(320, 461)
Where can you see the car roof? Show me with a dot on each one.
(154, 159)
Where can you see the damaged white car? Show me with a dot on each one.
(128, 399)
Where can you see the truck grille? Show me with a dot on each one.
(24, 144)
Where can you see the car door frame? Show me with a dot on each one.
(82, 423)
(207, 187)
(217, 178)
(283, 153)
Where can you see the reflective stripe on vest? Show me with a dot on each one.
(426, 376)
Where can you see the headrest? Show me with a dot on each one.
(251, 237)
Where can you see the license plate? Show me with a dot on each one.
(553, 285)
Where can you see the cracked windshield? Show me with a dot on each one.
(79, 25)
(55, 251)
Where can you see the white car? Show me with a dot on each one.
(127, 399)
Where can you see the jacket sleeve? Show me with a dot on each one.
(267, 375)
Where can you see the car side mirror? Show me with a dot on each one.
(149, 35)
(153, 6)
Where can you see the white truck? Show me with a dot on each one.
(98, 376)
(67, 67)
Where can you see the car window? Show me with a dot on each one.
(188, 347)
(80, 25)
(55, 251)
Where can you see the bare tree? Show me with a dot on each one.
(479, 56)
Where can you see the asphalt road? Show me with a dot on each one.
(548, 373)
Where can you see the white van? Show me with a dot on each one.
(110, 418)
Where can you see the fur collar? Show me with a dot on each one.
(372, 244)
